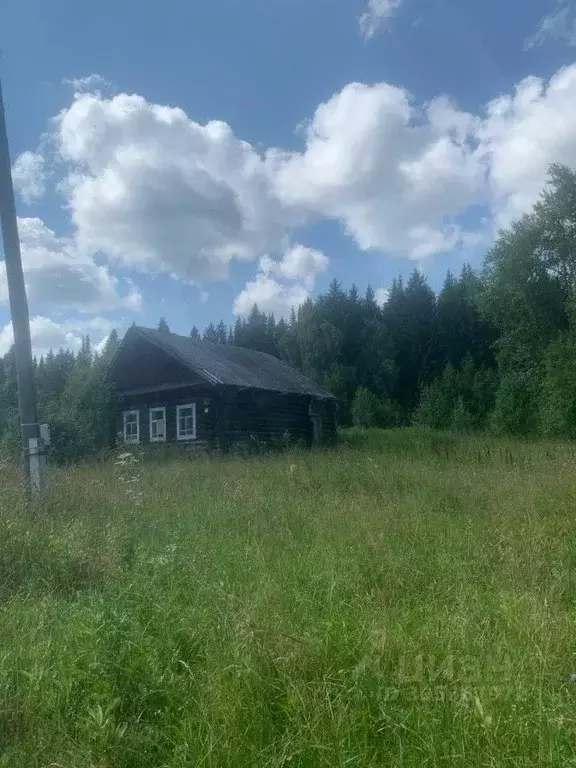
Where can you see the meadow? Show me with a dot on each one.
(405, 599)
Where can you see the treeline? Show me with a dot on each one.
(74, 398)
(494, 349)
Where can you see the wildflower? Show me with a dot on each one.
(131, 488)
(126, 458)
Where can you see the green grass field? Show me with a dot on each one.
(407, 599)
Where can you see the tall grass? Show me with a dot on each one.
(408, 599)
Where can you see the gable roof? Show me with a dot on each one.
(228, 365)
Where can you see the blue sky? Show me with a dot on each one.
(186, 159)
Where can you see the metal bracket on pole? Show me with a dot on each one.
(36, 463)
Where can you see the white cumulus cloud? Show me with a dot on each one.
(151, 190)
(521, 135)
(399, 176)
(29, 175)
(157, 191)
(48, 334)
(60, 277)
(394, 174)
(298, 263)
(284, 283)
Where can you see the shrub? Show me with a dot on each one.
(437, 401)
(558, 400)
(462, 420)
(368, 410)
(516, 408)
(460, 396)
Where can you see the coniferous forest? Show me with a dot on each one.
(494, 349)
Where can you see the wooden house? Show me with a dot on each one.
(175, 389)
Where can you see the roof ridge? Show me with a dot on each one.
(230, 365)
(214, 344)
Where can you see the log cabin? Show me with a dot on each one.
(176, 389)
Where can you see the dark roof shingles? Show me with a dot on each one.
(235, 366)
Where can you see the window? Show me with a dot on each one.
(186, 421)
(131, 427)
(157, 425)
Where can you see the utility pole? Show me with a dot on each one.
(32, 443)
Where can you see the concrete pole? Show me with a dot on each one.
(32, 443)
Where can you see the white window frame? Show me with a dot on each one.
(179, 408)
(131, 439)
(152, 410)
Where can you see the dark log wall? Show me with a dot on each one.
(233, 415)
(266, 415)
(327, 410)
(142, 403)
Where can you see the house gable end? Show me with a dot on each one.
(140, 364)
